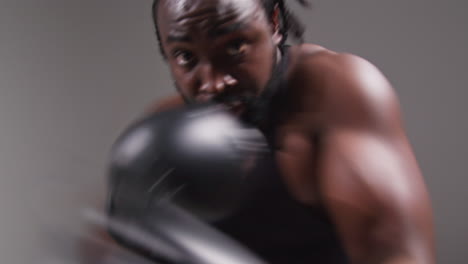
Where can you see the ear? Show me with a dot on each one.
(275, 23)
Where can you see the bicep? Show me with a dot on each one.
(375, 194)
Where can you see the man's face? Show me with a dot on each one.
(217, 49)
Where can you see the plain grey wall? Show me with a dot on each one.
(74, 73)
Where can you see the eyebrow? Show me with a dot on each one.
(178, 38)
(224, 30)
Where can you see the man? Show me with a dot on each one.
(345, 187)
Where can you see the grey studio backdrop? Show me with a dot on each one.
(74, 73)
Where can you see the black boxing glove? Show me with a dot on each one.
(196, 157)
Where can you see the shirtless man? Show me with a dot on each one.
(346, 187)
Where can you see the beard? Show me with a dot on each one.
(260, 108)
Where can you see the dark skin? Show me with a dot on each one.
(367, 176)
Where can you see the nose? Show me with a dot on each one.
(212, 80)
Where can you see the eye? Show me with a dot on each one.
(237, 47)
(183, 57)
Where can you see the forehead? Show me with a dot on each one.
(184, 14)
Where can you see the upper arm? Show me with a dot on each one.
(370, 180)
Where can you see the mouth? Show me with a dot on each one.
(235, 104)
(235, 107)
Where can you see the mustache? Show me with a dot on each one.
(227, 97)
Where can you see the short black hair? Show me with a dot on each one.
(288, 24)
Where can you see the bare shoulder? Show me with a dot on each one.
(352, 89)
(165, 104)
(368, 172)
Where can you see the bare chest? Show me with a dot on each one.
(297, 160)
